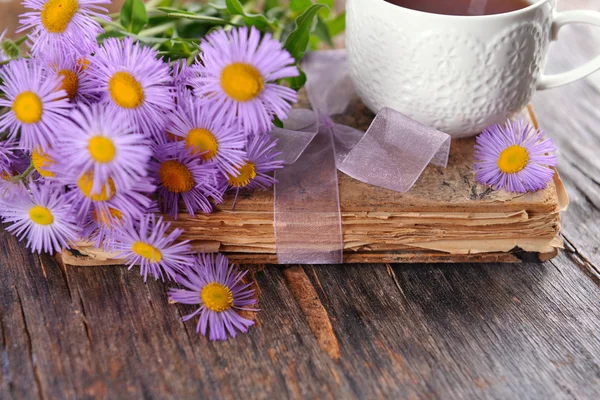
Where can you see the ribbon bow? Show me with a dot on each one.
(392, 154)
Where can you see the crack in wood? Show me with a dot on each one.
(41, 261)
(36, 372)
(585, 264)
(86, 325)
(63, 272)
(185, 329)
(316, 278)
(392, 274)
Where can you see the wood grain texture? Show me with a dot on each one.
(493, 331)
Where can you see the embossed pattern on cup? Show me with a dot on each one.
(457, 74)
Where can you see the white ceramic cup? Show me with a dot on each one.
(458, 74)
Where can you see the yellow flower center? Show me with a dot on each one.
(28, 107)
(70, 82)
(40, 161)
(245, 174)
(176, 177)
(513, 159)
(102, 149)
(147, 251)
(217, 297)
(202, 141)
(242, 82)
(56, 14)
(86, 182)
(41, 215)
(125, 90)
(105, 218)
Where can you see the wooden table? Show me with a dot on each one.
(371, 331)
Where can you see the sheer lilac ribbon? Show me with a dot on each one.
(392, 154)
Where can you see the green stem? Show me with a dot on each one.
(25, 174)
(110, 23)
(156, 29)
(21, 40)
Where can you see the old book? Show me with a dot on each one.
(445, 217)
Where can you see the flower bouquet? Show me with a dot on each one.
(137, 131)
(109, 121)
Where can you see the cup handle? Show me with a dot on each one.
(560, 20)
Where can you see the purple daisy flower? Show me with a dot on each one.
(37, 108)
(63, 25)
(180, 175)
(218, 289)
(259, 163)
(71, 69)
(207, 135)
(43, 216)
(133, 84)
(149, 246)
(236, 74)
(515, 157)
(98, 141)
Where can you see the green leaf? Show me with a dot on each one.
(324, 13)
(299, 6)
(170, 10)
(297, 82)
(322, 32)
(297, 41)
(110, 34)
(134, 16)
(257, 20)
(277, 122)
(337, 25)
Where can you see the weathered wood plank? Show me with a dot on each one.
(279, 358)
(144, 350)
(18, 378)
(140, 344)
(47, 353)
(470, 331)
